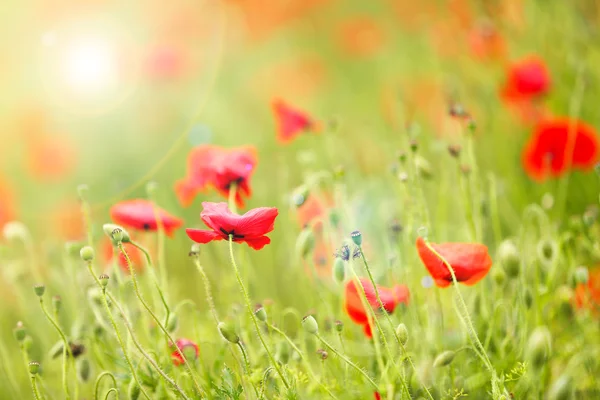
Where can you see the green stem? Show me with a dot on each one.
(156, 284)
(99, 379)
(112, 390)
(207, 289)
(36, 392)
(155, 318)
(252, 316)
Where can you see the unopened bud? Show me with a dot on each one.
(228, 333)
(309, 323)
(356, 237)
(56, 303)
(87, 253)
(582, 275)
(83, 369)
(172, 322)
(402, 333)
(39, 289)
(539, 346)
(103, 278)
(510, 260)
(299, 195)
(34, 367)
(305, 242)
(109, 230)
(260, 313)
(323, 354)
(339, 270)
(444, 358)
(339, 326)
(19, 331)
(499, 276)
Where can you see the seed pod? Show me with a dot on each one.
(109, 229)
(309, 323)
(86, 253)
(339, 326)
(356, 237)
(19, 331)
(103, 280)
(339, 270)
(83, 369)
(305, 243)
(228, 333)
(509, 258)
(34, 367)
(539, 346)
(444, 358)
(260, 313)
(402, 333)
(39, 289)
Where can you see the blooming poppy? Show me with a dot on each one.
(251, 228)
(545, 155)
(135, 256)
(588, 295)
(140, 214)
(360, 37)
(290, 121)
(526, 79)
(188, 348)
(220, 168)
(470, 261)
(389, 297)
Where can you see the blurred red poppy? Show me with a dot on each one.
(486, 42)
(140, 214)
(7, 204)
(546, 152)
(291, 122)
(220, 168)
(526, 79)
(165, 62)
(389, 297)
(135, 255)
(360, 37)
(68, 221)
(470, 261)
(250, 228)
(377, 396)
(588, 295)
(188, 348)
(313, 209)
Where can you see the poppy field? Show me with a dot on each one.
(301, 199)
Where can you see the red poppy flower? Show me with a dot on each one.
(290, 121)
(588, 296)
(389, 297)
(220, 168)
(140, 214)
(470, 261)
(526, 79)
(135, 255)
(188, 348)
(250, 228)
(545, 155)
(377, 396)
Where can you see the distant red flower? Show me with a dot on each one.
(7, 203)
(313, 209)
(251, 228)
(377, 396)
(214, 166)
(360, 37)
(165, 62)
(140, 214)
(290, 121)
(588, 296)
(545, 153)
(470, 261)
(188, 348)
(135, 255)
(389, 297)
(526, 79)
(486, 42)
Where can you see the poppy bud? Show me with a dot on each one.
(73, 248)
(509, 257)
(117, 235)
(195, 250)
(546, 250)
(444, 359)
(300, 195)
(34, 367)
(172, 322)
(414, 145)
(339, 326)
(528, 297)
(309, 323)
(323, 354)
(87, 253)
(56, 303)
(401, 156)
(103, 278)
(305, 243)
(402, 333)
(133, 391)
(499, 276)
(83, 369)
(228, 333)
(20, 332)
(454, 150)
(260, 313)
(110, 228)
(15, 230)
(582, 275)
(539, 346)
(39, 289)
(356, 237)
(423, 167)
(339, 270)
(283, 352)
(561, 389)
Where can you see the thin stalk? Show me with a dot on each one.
(36, 392)
(112, 390)
(252, 316)
(155, 318)
(156, 284)
(207, 288)
(99, 379)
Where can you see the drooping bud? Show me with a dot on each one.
(356, 237)
(402, 333)
(309, 323)
(582, 275)
(39, 289)
(103, 278)
(133, 391)
(56, 303)
(260, 313)
(299, 195)
(83, 369)
(339, 325)
(228, 333)
(19, 331)
(305, 243)
(509, 257)
(110, 228)
(339, 270)
(539, 346)
(34, 367)
(87, 253)
(444, 358)
(172, 322)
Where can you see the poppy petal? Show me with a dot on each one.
(257, 243)
(203, 236)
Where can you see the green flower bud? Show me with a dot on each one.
(27, 343)
(499, 276)
(83, 369)
(444, 358)
(283, 352)
(356, 237)
(300, 195)
(339, 326)
(103, 278)
(582, 275)
(547, 251)
(34, 367)
(561, 389)
(133, 391)
(19, 331)
(402, 333)
(87, 253)
(539, 346)
(260, 313)
(39, 289)
(339, 270)
(309, 323)
(110, 228)
(509, 258)
(172, 323)
(305, 243)
(228, 333)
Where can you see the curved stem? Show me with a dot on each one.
(287, 338)
(155, 318)
(156, 284)
(253, 317)
(99, 378)
(112, 390)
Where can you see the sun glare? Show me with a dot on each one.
(89, 65)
